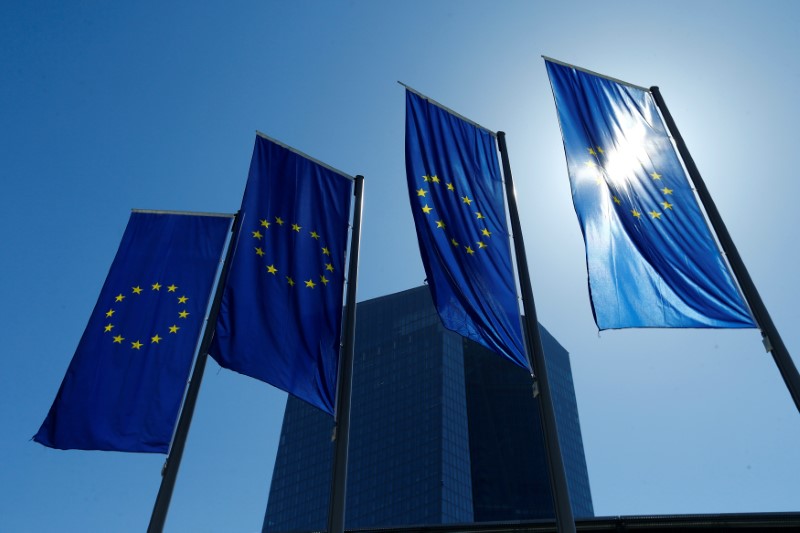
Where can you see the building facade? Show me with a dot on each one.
(442, 431)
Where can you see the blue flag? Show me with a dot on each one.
(123, 389)
(652, 259)
(456, 195)
(281, 311)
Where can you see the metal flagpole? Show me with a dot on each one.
(170, 471)
(565, 522)
(341, 430)
(769, 333)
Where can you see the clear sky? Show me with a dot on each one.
(108, 106)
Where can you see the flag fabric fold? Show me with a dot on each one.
(281, 314)
(652, 260)
(456, 195)
(124, 386)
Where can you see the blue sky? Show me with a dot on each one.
(111, 106)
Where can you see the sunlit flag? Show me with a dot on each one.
(651, 257)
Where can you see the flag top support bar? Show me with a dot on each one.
(565, 523)
(304, 156)
(769, 333)
(592, 73)
(187, 213)
(448, 110)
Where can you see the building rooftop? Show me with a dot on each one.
(717, 523)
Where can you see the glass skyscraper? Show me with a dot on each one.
(442, 431)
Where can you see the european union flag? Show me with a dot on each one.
(281, 311)
(652, 259)
(123, 389)
(456, 194)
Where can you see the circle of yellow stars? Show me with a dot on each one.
(467, 248)
(666, 205)
(260, 234)
(135, 292)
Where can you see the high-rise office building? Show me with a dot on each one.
(442, 431)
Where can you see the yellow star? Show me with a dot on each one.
(156, 286)
(426, 209)
(182, 300)
(486, 232)
(466, 200)
(600, 150)
(172, 288)
(655, 175)
(479, 215)
(119, 297)
(174, 329)
(666, 205)
(259, 252)
(155, 339)
(665, 190)
(136, 290)
(290, 281)
(450, 187)
(454, 241)
(617, 201)
(118, 339)
(422, 192)
(310, 284)
(590, 164)
(655, 214)
(426, 178)
(183, 314)
(435, 179)
(265, 223)
(296, 227)
(325, 251)
(136, 345)
(481, 245)
(329, 267)
(271, 269)
(636, 213)
(591, 151)
(109, 327)
(257, 234)
(323, 279)
(110, 313)
(279, 221)
(440, 224)
(470, 251)
(314, 235)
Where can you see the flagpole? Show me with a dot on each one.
(341, 435)
(565, 522)
(769, 333)
(169, 472)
